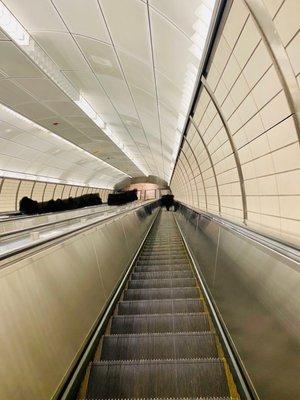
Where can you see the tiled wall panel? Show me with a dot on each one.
(245, 129)
(49, 191)
(9, 189)
(13, 190)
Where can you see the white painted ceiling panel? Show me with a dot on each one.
(66, 55)
(128, 26)
(92, 25)
(171, 49)
(12, 94)
(181, 15)
(138, 73)
(36, 15)
(42, 89)
(14, 64)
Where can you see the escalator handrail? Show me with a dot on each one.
(44, 225)
(284, 249)
(57, 238)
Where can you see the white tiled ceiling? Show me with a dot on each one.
(128, 59)
(39, 154)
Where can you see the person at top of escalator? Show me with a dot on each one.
(167, 201)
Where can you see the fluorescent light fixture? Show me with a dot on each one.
(12, 26)
(204, 13)
(180, 122)
(86, 108)
(99, 122)
(198, 40)
(196, 51)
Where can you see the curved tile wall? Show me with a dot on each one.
(240, 155)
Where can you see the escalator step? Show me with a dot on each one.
(162, 283)
(159, 346)
(161, 307)
(163, 246)
(162, 262)
(180, 251)
(159, 323)
(161, 275)
(151, 379)
(152, 268)
(165, 293)
(156, 255)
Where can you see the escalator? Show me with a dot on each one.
(160, 341)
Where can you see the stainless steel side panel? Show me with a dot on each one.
(257, 293)
(50, 302)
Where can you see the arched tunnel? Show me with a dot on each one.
(149, 199)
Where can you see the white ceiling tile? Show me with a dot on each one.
(145, 101)
(91, 25)
(14, 63)
(80, 122)
(11, 95)
(90, 87)
(182, 16)
(168, 93)
(36, 15)
(171, 49)
(33, 110)
(138, 73)
(64, 108)
(100, 56)
(41, 88)
(62, 49)
(119, 94)
(128, 24)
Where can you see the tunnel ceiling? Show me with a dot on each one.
(115, 78)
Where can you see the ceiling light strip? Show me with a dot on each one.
(12, 27)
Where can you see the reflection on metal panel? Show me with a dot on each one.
(256, 292)
(50, 302)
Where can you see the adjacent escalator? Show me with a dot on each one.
(160, 341)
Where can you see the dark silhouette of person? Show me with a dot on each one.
(167, 201)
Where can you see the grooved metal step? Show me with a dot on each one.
(169, 293)
(162, 262)
(177, 250)
(152, 268)
(161, 307)
(162, 283)
(161, 275)
(159, 323)
(159, 346)
(158, 259)
(152, 379)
